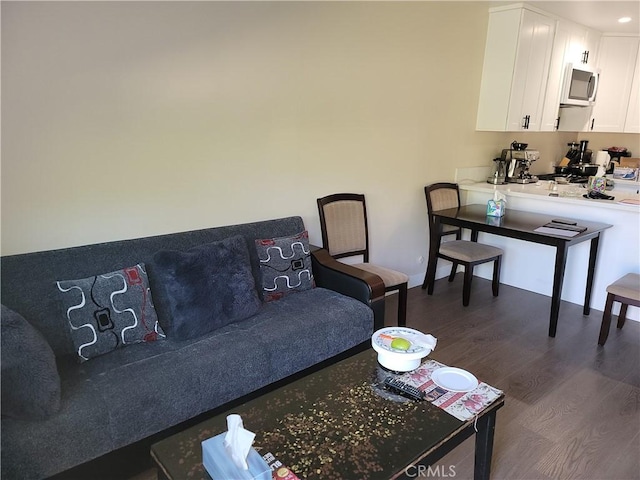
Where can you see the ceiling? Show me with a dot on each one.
(602, 16)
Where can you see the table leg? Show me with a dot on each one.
(558, 278)
(484, 446)
(593, 255)
(434, 247)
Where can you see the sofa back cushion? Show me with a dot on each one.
(29, 280)
(204, 288)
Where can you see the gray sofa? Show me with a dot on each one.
(116, 399)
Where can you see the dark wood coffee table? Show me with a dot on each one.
(333, 424)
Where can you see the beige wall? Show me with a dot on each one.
(129, 119)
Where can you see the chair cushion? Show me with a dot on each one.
(389, 277)
(627, 287)
(467, 251)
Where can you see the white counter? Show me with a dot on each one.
(530, 266)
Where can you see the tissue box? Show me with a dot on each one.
(220, 466)
(496, 208)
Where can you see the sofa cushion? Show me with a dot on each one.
(30, 380)
(285, 265)
(204, 288)
(109, 311)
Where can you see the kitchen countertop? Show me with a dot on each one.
(568, 194)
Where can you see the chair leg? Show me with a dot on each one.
(402, 305)
(466, 287)
(495, 286)
(606, 320)
(622, 316)
(454, 269)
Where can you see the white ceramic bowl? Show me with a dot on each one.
(399, 360)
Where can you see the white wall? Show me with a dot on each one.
(126, 119)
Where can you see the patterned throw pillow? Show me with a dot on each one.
(285, 264)
(109, 311)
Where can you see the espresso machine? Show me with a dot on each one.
(518, 160)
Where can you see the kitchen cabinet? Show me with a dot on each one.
(515, 71)
(632, 122)
(572, 44)
(617, 62)
(583, 44)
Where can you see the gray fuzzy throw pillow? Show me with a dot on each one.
(204, 288)
(285, 265)
(109, 311)
(30, 380)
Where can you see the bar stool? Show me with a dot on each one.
(625, 290)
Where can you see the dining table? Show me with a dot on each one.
(530, 227)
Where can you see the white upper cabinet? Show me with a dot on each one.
(617, 62)
(632, 122)
(583, 44)
(573, 44)
(515, 70)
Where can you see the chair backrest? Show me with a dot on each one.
(343, 222)
(441, 196)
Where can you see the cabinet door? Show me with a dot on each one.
(616, 60)
(529, 82)
(632, 123)
(583, 45)
(550, 110)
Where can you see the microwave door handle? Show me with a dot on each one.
(593, 85)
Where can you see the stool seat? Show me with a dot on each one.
(625, 290)
(627, 287)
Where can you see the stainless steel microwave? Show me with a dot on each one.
(580, 86)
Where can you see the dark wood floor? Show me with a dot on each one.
(572, 408)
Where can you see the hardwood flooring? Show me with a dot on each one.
(572, 408)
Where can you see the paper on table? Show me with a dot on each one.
(557, 231)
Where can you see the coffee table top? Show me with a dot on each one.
(329, 424)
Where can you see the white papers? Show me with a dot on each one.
(556, 231)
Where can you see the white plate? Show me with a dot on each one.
(454, 379)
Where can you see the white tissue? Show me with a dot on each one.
(238, 441)
(426, 341)
(497, 196)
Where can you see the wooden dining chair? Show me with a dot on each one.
(343, 223)
(625, 290)
(442, 196)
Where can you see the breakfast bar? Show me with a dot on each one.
(523, 225)
(529, 265)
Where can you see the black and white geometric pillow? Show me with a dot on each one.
(285, 265)
(109, 311)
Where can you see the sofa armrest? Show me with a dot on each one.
(350, 281)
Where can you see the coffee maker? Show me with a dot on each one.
(518, 160)
(499, 175)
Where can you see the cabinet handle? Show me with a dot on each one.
(526, 122)
(593, 120)
(557, 125)
(586, 59)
